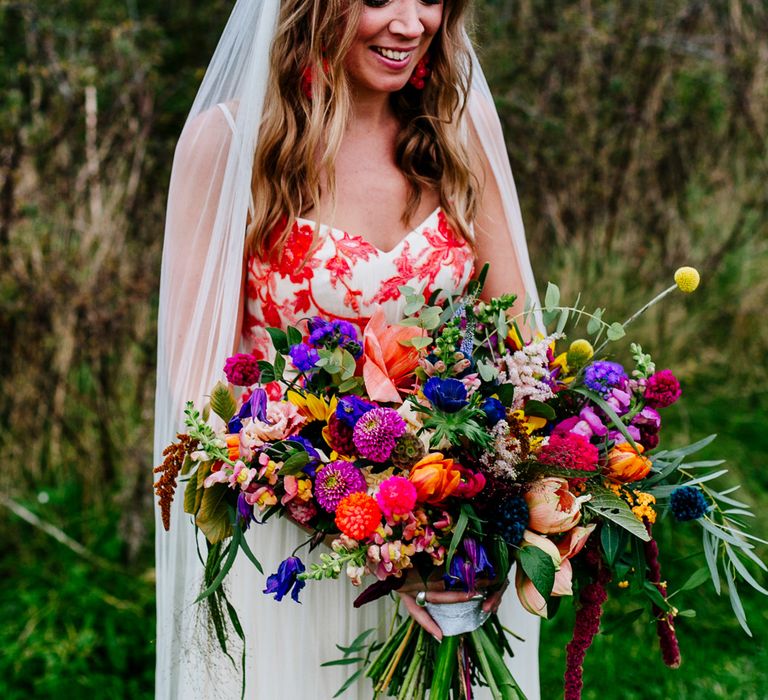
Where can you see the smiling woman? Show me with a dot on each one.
(325, 165)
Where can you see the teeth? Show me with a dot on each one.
(393, 55)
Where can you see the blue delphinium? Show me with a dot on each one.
(602, 376)
(688, 503)
(333, 334)
(448, 395)
(286, 580)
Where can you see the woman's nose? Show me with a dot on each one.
(407, 22)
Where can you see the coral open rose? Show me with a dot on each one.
(388, 367)
(435, 478)
(551, 506)
(625, 463)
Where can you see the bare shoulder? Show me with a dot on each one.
(206, 135)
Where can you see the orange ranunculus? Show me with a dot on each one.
(233, 445)
(388, 365)
(435, 478)
(625, 463)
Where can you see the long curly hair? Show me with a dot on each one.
(301, 130)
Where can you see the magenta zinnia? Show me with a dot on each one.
(376, 433)
(569, 451)
(335, 481)
(396, 496)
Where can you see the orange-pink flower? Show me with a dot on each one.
(435, 478)
(552, 507)
(625, 463)
(388, 366)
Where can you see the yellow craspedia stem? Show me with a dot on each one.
(580, 352)
(687, 279)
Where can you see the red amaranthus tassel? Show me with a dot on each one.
(591, 599)
(665, 623)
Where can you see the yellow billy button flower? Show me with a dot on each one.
(687, 279)
(580, 352)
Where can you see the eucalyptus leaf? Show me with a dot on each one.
(710, 555)
(615, 331)
(733, 557)
(564, 315)
(551, 296)
(736, 604)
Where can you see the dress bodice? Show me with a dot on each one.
(342, 276)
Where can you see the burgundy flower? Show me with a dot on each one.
(242, 369)
(662, 389)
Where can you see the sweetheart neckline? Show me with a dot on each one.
(422, 225)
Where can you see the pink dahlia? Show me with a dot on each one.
(335, 481)
(662, 389)
(376, 433)
(396, 496)
(569, 451)
(242, 369)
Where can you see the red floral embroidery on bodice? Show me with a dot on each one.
(346, 277)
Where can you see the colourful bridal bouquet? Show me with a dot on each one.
(448, 448)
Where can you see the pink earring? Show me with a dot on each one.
(420, 73)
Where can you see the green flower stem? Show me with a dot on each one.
(641, 311)
(393, 664)
(445, 668)
(505, 681)
(414, 669)
(382, 660)
(482, 659)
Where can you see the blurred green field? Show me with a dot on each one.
(638, 136)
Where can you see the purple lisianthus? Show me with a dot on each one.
(335, 481)
(619, 399)
(351, 408)
(242, 369)
(375, 434)
(464, 569)
(449, 395)
(255, 408)
(617, 436)
(304, 357)
(602, 376)
(494, 410)
(286, 580)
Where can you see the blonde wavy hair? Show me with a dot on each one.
(301, 133)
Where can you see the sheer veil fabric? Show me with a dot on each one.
(198, 327)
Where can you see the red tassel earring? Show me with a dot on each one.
(307, 76)
(420, 73)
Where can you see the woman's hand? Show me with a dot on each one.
(435, 593)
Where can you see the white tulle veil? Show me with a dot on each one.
(199, 314)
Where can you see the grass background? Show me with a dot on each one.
(637, 134)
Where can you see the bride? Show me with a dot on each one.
(337, 150)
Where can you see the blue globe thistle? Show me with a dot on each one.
(688, 503)
(512, 519)
(603, 376)
(448, 395)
